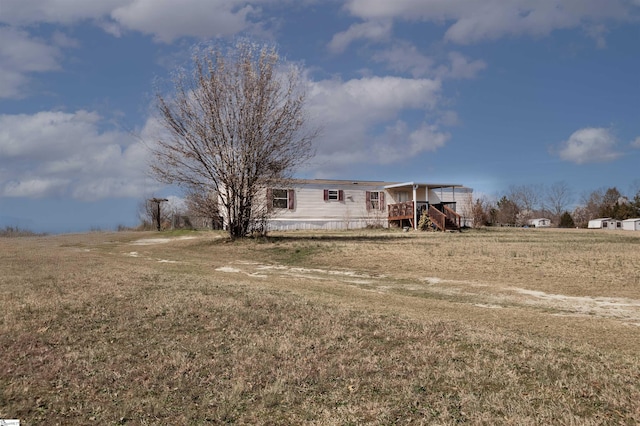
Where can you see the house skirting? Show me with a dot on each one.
(324, 224)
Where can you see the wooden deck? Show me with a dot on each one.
(443, 216)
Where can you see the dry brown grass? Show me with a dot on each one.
(363, 327)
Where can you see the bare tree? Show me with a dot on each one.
(558, 198)
(465, 208)
(507, 211)
(151, 214)
(204, 205)
(526, 197)
(592, 203)
(581, 216)
(236, 125)
(483, 212)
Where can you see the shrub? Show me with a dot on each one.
(566, 221)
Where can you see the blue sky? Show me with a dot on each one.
(486, 93)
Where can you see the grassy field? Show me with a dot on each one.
(497, 326)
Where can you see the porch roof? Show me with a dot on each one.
(421, 184)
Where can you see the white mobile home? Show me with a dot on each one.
(346, 204)
(540, 222)
(597, 223)
(631, 224)
(605, 223)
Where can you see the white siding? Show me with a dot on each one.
(540, 222)
(311, 211)
(631, 224)
(605, 223)
(597, 223)
(463, 197)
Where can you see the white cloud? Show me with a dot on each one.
(468, 21)
(62, 40)
(471, 21)
(372, 30)
(25, 12)
(597, 33)
(399, 142)
(589, 145)
(461, 67)
(166, 20)
(60, 154)
(34, 187)
(636, 142)
(21, 54)
(170, 19)
(371, 99)
(361, 125)
(405, 57)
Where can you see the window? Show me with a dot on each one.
(280, 198)
(375, 200)
(402, 196)
(333, 195)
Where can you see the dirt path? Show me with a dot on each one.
(483, 295)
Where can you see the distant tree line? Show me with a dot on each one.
(519, 204)
(15, 231)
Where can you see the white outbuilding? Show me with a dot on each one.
(597, 223)
(631, 224)
(605, 223)
(540, 222)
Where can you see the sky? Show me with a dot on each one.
(490, 94)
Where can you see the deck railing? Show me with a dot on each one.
(440, 213)
(438, 218)
(401, 211)
(452, 215)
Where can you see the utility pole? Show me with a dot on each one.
(158, 201)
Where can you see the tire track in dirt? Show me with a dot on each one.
(483, 295)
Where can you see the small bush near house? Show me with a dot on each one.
(425, 223)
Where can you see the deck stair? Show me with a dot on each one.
(442, 216)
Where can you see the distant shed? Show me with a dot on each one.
(597, 223)
(631, 224)
(540, 222)
(605, 223)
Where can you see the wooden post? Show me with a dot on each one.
(158, 201)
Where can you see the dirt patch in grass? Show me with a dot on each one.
(478, 294)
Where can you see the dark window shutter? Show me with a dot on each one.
(341, 195)
(368, 200)
(269, 199)
(326, 195)
(381, 201)
(291, 200)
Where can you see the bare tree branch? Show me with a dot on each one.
(558, 198)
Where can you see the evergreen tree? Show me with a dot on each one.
(566, 221)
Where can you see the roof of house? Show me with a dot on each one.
(428, 185)
(384, 184)
(340, 182)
